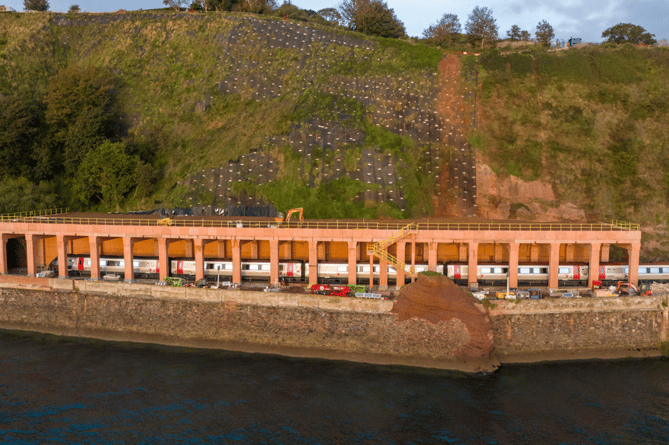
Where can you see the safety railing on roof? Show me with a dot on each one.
(34, 213)
(329, 224)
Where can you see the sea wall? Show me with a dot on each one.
(572, 328)
(332, 327)
(282, 323)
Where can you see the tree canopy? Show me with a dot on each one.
(36, 5)
(371, 17)
(481, 25)
(544, 33)
(444, 31)
(514, 33)
(628, 33)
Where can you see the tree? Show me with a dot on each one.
(444, 31)
(80, 114)
(21, 195)
(371, 17)
(544, 33)
(331, 15)
(74, 8)
(36, 5)
(175, 4)
(254, 6)
(481, 25)
(525, 36)
(18, 127)
(629, 33)
(107, 174)
(514, 33)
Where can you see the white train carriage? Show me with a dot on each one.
(251, 270)
(530, 274)
(338, 272)
(610, 274)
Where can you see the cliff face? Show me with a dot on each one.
(243, 110)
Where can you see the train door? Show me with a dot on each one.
(602, 273)
(577, 273)
(456, 272)
(289, 269)
(180, 267)
(80, 264)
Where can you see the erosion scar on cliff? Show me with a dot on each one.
(458, 181)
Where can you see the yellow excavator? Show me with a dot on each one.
(290, 213)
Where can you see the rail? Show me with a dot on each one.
(330, 225)
(34, 213)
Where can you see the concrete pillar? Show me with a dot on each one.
(472, 263)
(94, 250)
(401, 256)
(499, 253)
(198, 248)
(31, 244)
(604, 256)
(128, 244)
(61, 244)
(274, 261)
(313, 262)
(633, 254)
(371, 271)
(432, 257)
(4, 269)
(569, 253)
(534, 253)
(553, 265)
(462, 252)
(593, 266)
(162, 258)
(383, 274)
(352, 261)
(513, 264)
(236, 261)
(413, 255)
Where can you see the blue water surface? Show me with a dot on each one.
(73, 391)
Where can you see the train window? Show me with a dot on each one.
(563, 270)
(87, 262)
(246, 266)
(654, 270)
(265, 267)
(210, 266)
(421, 268)
(253, 267)
(377, 269)
(391, 270)
(665, 270)
(342, 268)
(485, 270)
(524, 270)
(498, 270)
(103, 262)
(364, 269)
(627, 270)
(135, 263)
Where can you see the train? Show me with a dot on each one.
(251, 270)
(337, 272)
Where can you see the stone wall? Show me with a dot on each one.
(590, 327)
(332, 327)
(287, 324)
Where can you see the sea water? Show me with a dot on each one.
(74, 391)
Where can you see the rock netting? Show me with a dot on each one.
(440, 301)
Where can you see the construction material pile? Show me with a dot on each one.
(436, 299)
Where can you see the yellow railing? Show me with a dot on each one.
(54, 218)
(392, 260)
(379, 249)
(34, 213)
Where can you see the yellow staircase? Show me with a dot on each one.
(379, 249)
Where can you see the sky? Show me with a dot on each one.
(586, 19)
